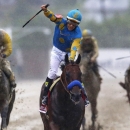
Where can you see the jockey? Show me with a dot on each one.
(5, 51)
(89, 45)
(66, 39)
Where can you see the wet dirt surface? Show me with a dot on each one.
(113, 108)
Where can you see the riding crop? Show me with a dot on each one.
(107, 71)
(34, 16)
(122, 57)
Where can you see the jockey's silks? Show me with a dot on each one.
(64, 39)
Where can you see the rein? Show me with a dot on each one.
(66, 83)
(65, 76)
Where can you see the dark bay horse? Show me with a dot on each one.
(66, 106)
(6, 99)
(91, 84)
(126, 84)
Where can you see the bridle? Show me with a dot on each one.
(64, 81)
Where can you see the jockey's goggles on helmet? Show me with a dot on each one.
(72, 22)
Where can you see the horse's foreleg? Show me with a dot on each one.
(4, 117)
(94, 111)
(83, 123)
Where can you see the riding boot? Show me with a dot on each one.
(85, 94)
(47, 84)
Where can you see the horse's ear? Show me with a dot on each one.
(66, 59)
(78, 59)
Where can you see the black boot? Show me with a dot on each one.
(85, 94)
(47, 84)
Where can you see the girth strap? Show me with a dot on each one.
(54, 84)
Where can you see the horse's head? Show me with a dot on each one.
(71, 78)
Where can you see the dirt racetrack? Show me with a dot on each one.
(114, 111)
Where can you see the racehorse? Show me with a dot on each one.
(91, 84)
(126, 84)
(6, 99)
(66, 106)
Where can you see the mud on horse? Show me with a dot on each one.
(66, 106)
(7, 99)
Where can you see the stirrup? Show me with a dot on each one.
(43, 109)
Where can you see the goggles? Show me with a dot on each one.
(72, 22)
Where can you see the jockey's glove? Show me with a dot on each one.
(71, 61)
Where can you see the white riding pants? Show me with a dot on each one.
(56, 57)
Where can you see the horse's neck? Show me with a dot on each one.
(63, 80)
(85, 64)
(89, 71)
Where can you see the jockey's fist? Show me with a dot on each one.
(93, 59)
(44, 8)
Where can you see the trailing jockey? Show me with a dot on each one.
(89, 45)
(5, 51)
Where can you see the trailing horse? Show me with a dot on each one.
(126, 84)
(6, 99)
(91, 83)
(66, 106)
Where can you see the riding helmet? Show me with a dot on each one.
(74, 15)
(86, 33)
